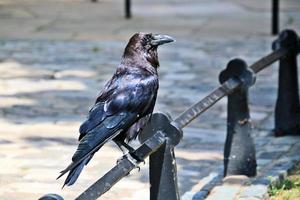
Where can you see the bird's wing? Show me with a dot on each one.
(99, 135)
(106, 119)
(97, 114)
(118, 95)
(95, 117)
(106, 130)
(138, 126)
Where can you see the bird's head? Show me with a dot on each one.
(144, 46)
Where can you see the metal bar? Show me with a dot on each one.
(195, 110)
(123, 167)
(275, 17)
(226, 88)
(127, 9)
(268, 60)
(108, 180)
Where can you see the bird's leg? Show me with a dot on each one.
(129, 148)
(121, 147)
(122, 144)
(124, 148)
(132, 152)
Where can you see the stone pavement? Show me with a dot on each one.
(50, 76)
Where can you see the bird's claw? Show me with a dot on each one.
(138, 168)
(120, 159)
(135, 157)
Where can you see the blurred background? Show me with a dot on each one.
(56, 55)
(186, 19)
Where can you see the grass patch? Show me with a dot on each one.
(40, 28)
(288, 189)
(95, 49)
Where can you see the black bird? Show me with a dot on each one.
(124, 105)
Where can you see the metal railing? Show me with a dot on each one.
(162, 134)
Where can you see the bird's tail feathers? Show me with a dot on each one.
(84, 159)
(74, 173)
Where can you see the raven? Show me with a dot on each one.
(124, 105)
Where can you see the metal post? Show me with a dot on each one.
(127, 9)
(275, 17)
(287, 110)
(163, 174)
(51, 197)
(163, 170)
(239, 152)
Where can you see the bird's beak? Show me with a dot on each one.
(161, 39)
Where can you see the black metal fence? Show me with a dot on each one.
(162, 134)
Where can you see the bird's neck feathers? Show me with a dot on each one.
(137, 57)
(152, 57)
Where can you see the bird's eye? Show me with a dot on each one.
(147, 41)
(149, 37)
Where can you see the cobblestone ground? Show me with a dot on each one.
(49, 79)
(47, 88)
